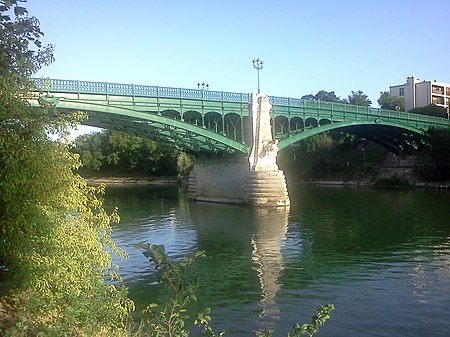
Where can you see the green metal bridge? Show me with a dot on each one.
(217, 121)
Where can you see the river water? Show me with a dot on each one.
(381, 257)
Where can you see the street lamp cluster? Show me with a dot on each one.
(257, 64)
(202, 86)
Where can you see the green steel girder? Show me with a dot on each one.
(212, 121)
(183, 135)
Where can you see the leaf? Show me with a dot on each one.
(19, 11)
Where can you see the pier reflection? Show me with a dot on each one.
(270, 231)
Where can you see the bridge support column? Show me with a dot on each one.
(266, 185)
(255, 180)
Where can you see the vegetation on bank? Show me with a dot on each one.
(55, 236)
(114, 153)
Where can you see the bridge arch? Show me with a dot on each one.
(390, 135)
(166, 127)
(233, 126)
(311, 122)
(281, 125)
(193, 117)
(171, 114)
(214, 122)
(296, 124)
(324, 121)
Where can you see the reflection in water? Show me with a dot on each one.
(271, 227)
(431, 270)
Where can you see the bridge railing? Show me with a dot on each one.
(107, 88)
(355, 109)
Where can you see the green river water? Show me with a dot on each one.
(381, 257)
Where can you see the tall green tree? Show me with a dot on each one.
(430, 110)
(390, 102)
(323, 95)
(359, 98)
(54, 233)
(433, 162)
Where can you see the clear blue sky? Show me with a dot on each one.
(306, 45)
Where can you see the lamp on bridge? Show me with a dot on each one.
(202, 86)
(258, 65)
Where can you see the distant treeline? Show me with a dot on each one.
(121, 154)
(386, 101)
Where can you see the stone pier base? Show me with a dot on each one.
(231, 182)
(267, 188)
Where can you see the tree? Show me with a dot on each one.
(430, 110)
(323, 95)
(55, 235)
(21, 51)
(114, 152)
(433, 157)
(390, 102)
(359, 98)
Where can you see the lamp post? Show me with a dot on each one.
(258, 65)
(202, 86)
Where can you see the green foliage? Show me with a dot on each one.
(114, 152)
(55, 235)
(393, 182)
(359, 98)
(325, 96)
(388, 101)
(433, 162)
(169, 319)
(184, 167)
(307, 329)
(319, 319)
(319, 142)
(21, 51)
(430, 110)
(331, 155)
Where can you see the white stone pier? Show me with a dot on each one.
(255, 180)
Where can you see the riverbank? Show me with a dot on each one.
(132, 180)
(415, 183)
(424, 185)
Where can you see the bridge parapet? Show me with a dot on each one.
(107, 88)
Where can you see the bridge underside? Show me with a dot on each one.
(164, 127)
(395, 138)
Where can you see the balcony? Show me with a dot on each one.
(436, 89)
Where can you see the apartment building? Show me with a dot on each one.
(420, 93)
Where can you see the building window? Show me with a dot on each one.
(437, 90)
(401, 92)
(438, 100)
(447, 91)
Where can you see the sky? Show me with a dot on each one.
(306, 45)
